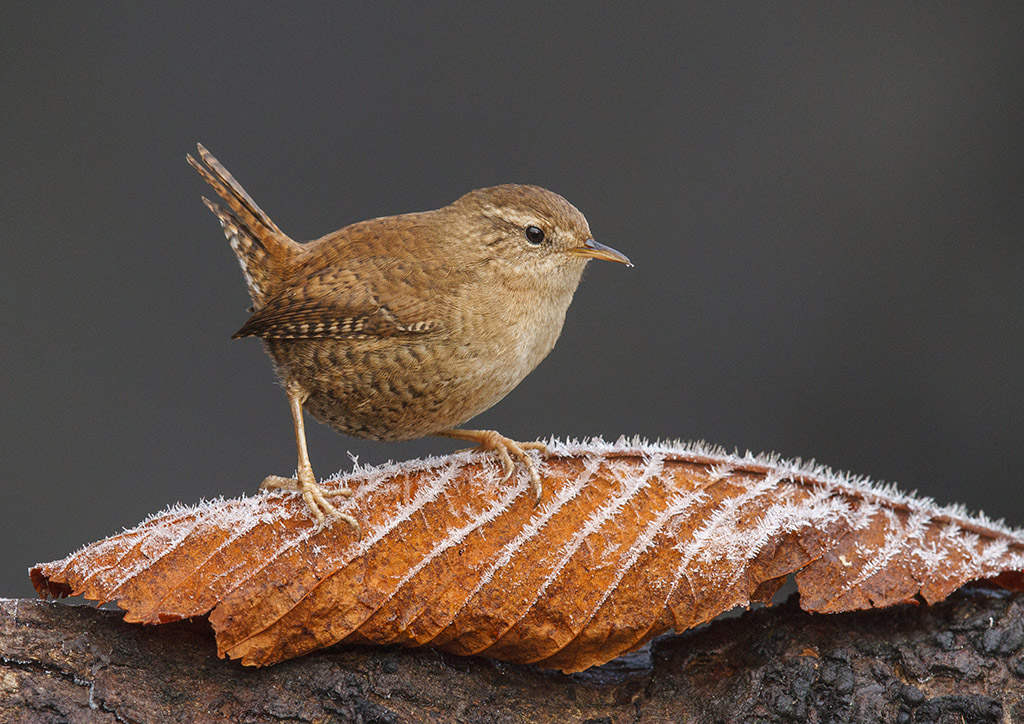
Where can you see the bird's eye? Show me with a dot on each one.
(534, 234)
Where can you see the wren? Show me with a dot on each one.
(408, 326)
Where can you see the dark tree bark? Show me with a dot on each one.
(958, 661)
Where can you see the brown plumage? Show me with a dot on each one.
(407, 326)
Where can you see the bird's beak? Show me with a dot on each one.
(594, 250)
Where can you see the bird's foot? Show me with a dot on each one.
(506, 449)
(315, 495)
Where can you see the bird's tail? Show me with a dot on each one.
(262, 248)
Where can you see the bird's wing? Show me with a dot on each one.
(377, 297)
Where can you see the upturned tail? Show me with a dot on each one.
(262, 249)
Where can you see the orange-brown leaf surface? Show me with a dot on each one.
(629, 541)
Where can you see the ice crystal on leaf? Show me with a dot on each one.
(630, 539)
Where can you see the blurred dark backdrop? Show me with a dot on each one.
(824, 204)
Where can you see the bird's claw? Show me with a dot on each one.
(316, 497)
(507, 448)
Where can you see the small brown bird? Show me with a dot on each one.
(407, 326)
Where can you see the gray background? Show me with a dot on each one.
(823, 202)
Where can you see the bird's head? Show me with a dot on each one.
(531, 231)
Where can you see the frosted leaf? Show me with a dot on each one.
(630, 539)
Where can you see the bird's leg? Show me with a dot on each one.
(506, 448)
(304, 482)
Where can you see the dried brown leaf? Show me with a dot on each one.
(631, 540)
